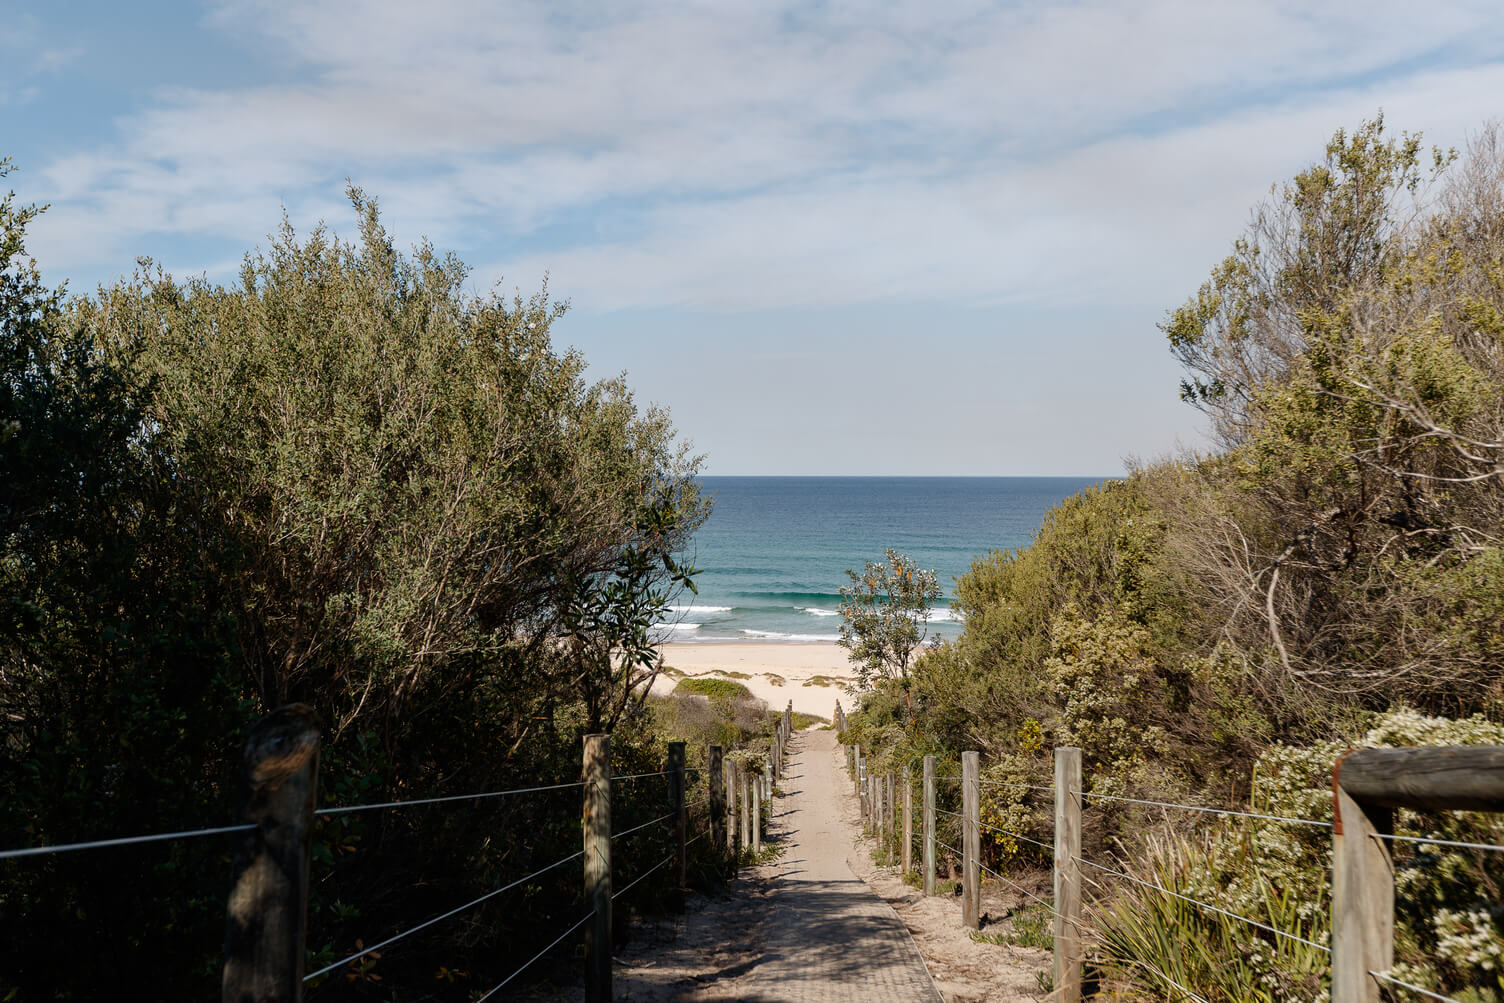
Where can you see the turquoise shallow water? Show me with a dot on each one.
(775, 549)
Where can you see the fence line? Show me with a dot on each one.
(413, 802)
(268, 902)
(455, 911)
(100, 844)
(1205, 905)
(1430, 841)
(1368, 786)
(1201, 808)
(528, 963)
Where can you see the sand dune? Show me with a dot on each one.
(813, 676)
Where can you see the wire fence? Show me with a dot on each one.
(1430, 781)
(698, 799)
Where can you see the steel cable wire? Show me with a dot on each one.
(99, 844)
(343, 809)
(1015, 835)
(431, 922)
(1386, 977)
(1048, 906)
(644, 874)
(1209, 811)
(1439, 842)
(1024, 787)
(1206, 905)
(583, 920)
(635, 828)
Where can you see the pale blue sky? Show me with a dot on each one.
(899, 238)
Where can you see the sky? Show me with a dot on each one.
(903, 238)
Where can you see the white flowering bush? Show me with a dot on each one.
(1449, 901)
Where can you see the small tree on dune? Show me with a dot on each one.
(885, 613)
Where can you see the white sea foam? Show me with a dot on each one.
(946, 615)
(817, 611)
(775, 635)
(682, 628)
(699, 609)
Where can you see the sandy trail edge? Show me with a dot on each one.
(714, 950)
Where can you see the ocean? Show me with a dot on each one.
(774, 552)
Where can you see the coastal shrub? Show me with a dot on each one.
(1449, 937)
(718, 689)
(341, 480)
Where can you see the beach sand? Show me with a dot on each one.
(814, 676)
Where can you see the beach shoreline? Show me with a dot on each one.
(813, 674)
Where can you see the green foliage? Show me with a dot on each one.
(718, 689)
(344, 481)
(1448, 935)
(885, 617)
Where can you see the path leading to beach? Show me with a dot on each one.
(804, 928)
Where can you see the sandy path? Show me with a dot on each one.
(802, 929)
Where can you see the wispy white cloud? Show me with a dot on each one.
(724, 154)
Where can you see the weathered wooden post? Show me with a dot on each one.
(267, 917)
(856, 767)
(889, 815)
(715, 769)
(756, 814)
(929, 825)
(971, 840)
(676, 804)
(733, 844)
(744, 796)
(879, 801)
(908, 819)
(1068, 952)
(598, 868)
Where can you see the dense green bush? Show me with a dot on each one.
(343, 481)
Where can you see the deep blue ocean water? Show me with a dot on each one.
(775, 549)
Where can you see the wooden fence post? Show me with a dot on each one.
(889, 815)
(971, 841)
(267, 917)
(676, 803)
(598, 867)
(715, 768)
(1368, 785)
(879, 799)
(744, 796)
(908, 820)
(756, 808)
(856, 768)
(1068, 952)
(929, 825)
(733, 842)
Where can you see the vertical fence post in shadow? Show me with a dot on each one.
(598, 868)
(929, 825)
(714, 773)
(676, 804)
(856, 768)
(756, 807)
(908, 820)
(732, 844)
(744, 798)
(1068, 952)
(889, 802)
(267, 917)
(971, 841)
